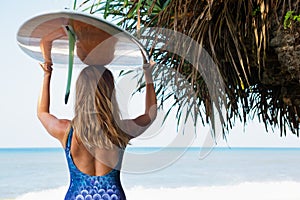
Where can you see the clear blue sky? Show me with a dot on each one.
(20, 78)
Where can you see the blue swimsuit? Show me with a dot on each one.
(87, 187)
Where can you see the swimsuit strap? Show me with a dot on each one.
(69, 140)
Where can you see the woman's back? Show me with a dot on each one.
(98, 162)
(91, 177)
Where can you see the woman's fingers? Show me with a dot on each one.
(152, 63)
(46, 66)
(149, 65)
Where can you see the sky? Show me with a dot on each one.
(20, 80)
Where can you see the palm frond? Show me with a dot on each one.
(239, 37)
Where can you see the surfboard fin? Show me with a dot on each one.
(67, 97)
(72, 39)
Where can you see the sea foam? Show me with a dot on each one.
(284, 190)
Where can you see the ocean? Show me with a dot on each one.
(225, 173)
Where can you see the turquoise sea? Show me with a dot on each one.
(247, 173)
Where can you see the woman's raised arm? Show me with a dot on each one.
(55, 127)
(135, 127)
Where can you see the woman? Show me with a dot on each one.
(95, 139)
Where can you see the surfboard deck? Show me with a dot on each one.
(101, 42)
(128, 51)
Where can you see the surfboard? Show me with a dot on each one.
(101, 42)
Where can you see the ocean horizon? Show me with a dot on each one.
(235, 173)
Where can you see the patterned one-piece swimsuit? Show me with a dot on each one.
(87, 187)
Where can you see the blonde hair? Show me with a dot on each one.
(96, 111)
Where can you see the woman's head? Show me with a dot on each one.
(96, 110)
(93, 46)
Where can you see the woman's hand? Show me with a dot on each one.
(148, 71)
(46, 45)
(149, 66)
(47, 67)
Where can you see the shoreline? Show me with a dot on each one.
(249, 190)
(154, 148)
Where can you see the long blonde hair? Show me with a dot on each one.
(96, 110)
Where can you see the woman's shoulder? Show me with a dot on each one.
(66, 129)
